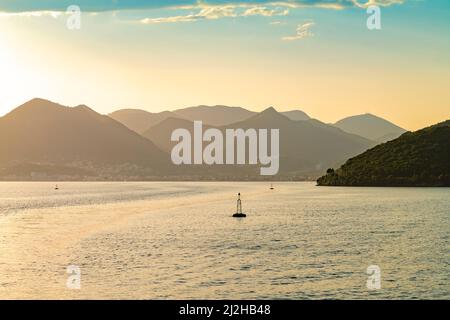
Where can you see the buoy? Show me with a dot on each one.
(271, 186)
(239, 213)
(56, 187)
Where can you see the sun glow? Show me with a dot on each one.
(15, 81)
(8, 76)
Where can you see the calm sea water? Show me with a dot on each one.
(178, 240)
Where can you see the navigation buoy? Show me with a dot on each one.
(271, 186)
(239, 213)
(56, 187)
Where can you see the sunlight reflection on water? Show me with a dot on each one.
(177, 240)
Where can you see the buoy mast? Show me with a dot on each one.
(239, 213)
(239, 204)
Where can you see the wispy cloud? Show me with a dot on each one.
(303, 31)
(209, 13)
(381, 3)
(216, 12)
(53, 14)
(196, 10)
(266, 12)
(277, 23)
(211, 10)
(113, 5)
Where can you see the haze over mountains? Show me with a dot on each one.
(140, 120)
(366, 125)
(215, 115)
(305, 146)
(42, 139)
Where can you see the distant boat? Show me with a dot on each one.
(271, 186)
(239, 213)
(56, 187)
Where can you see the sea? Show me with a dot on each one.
(178, 240)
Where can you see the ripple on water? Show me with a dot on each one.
(159, 241)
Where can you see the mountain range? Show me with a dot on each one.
(140, 120)
(306, 147)
(45, 140)
(366, 125)
(40, 132)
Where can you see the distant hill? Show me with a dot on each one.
(139, 120)
(160, 133)
(214, 115)
(306, 147)
(46, 133)
(370, 127)
(223, 115)
(296, 115)
(419, 158)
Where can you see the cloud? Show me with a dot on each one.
(217, 12)
(211, 10)
(209, 13)
(266, 12)
(381, 3)
(18, 6)
(53, 14)
(303, 31)
(199, 9)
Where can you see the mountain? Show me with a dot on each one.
(306, 147)
(223, 115)
(45, 133)
(419, 158)
(139, 120)
(296, 115)
(214, 115)
(160, 133)
(370, 127)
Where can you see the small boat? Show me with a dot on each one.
(239, 213)
(271, 186)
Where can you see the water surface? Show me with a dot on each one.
(177, 240)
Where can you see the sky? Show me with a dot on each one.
(314, 55)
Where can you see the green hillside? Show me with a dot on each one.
(419, 158)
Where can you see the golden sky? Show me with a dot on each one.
(339, 69)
